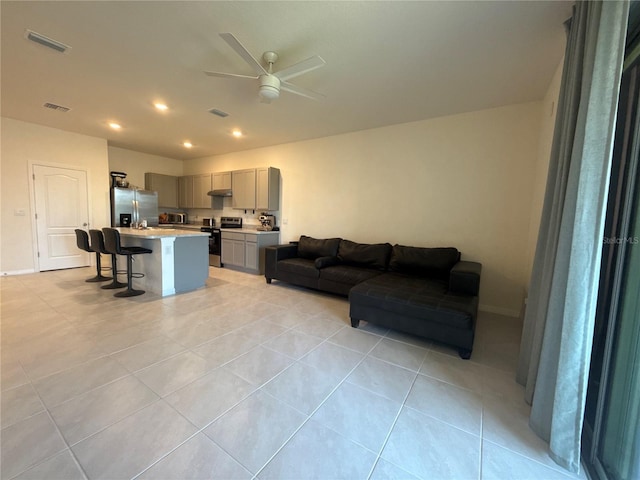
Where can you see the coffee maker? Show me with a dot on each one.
(267, 222)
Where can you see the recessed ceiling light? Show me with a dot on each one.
(161, 106)
(237, 133)
(115, 126)
(188, 144)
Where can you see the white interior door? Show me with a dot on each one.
(61, 207)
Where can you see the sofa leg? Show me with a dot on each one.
(355, 322)
(464, 353)
(269, 280)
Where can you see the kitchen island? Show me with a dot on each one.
(179, 262)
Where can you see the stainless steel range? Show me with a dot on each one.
(231, 222)
(215, 237)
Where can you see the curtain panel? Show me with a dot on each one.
(559, 321)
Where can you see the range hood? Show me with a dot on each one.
(223, 192)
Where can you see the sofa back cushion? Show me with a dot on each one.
(430, 262)
(309, 247)
(364, 254)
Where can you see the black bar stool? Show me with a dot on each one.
(97, 245)
(82, 239)
(112, 244)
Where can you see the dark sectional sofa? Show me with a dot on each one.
(428, 292)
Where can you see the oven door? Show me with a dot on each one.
(215, 239)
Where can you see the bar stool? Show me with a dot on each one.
(82, 239)
(112, 244)
(97, 245)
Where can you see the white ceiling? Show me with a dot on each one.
(387, 63)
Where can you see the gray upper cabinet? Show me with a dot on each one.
(268, 189)
(222, 181)
(244, 189)
(256, 189)
(193, 189)
(166, 186)
(185, 192)
(201, 186)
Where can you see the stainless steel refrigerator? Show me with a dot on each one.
(130, 206)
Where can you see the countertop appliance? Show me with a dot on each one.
(208, 222)
(267, 222)
(130, 207)
(179, 218)
(231, 222)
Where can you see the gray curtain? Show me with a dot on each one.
(559, 321)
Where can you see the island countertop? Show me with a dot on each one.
(157, 232)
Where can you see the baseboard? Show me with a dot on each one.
(507, 312)
(17, 272)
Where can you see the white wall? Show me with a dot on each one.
(136, 164)
(24, 143)
(462, 180)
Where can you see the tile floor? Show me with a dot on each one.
(247, 380)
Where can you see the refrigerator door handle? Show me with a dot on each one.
(136, 212)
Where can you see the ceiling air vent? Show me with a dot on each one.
(219, 113)
(59, 108)
(46, 41)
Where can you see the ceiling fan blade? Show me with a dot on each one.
(229, 75)
(289, 87)
(244, 53)
(300, 68)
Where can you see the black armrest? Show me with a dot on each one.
(465, 278)
(275, 253)
(322, 262)
(282, 252)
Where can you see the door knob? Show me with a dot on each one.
(85, 224)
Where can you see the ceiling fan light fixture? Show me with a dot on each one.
(270, 81)
(269, 87)
(268, 92)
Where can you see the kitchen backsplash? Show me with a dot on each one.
(197, 214)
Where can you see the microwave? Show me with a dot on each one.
(180, 218)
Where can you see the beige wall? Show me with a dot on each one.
(136, 164)
(462, 180)
(24, 144)
(473, 181)
(547, 125)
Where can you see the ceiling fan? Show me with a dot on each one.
(272, 82)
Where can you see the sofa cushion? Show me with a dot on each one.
(323, 262)
(428, 262)
(420, 298)
(299, 266)
(309, 247)
(347, 274)
(364, 254)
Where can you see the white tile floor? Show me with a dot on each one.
(247, 380)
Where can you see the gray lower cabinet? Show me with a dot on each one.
(233, 246)
(245, 251)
